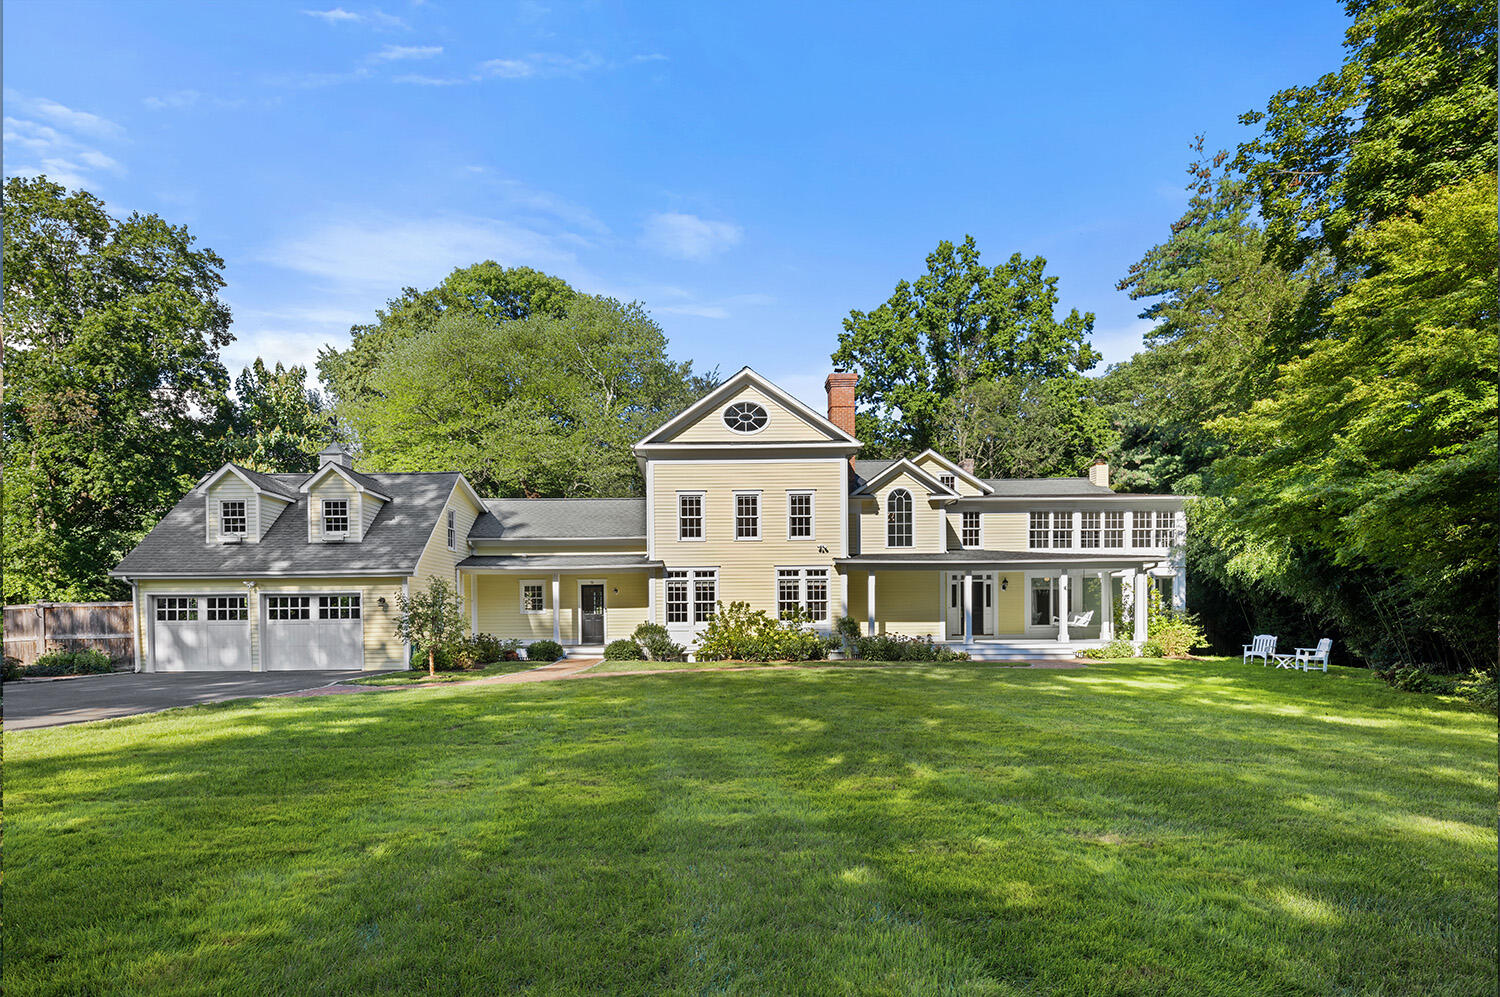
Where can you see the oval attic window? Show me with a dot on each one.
(745, 417)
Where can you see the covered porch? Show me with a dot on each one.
(580, 601)
(1007, 604)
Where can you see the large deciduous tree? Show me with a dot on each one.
(278, 422)
(115, 398)
(540, 405)
(956, 326)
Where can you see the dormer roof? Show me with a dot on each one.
(905, 466)
(361, 482)
(261, 484)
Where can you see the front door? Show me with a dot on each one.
(591, 604)
(982, 599)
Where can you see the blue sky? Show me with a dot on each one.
(750, 172)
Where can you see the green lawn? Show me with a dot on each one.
(1130, 828)
(415, 677)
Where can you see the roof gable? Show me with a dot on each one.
(261, 484)
(909, 468)
(788, 419)
(360, 482)
(929, 457)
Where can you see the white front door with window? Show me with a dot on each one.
(312, 631)
(201, 633)
(983, 602)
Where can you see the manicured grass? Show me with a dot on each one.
(415, 677)
(1129, 828)
(686, 666)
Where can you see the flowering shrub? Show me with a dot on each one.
(653, 639)
(898, 647)
(736, 632)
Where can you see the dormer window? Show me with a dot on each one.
(947, 481)
(746, 417)
(232, 519)
(335, 515)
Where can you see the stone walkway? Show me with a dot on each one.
(577, 668)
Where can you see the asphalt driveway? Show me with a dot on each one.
(121, 694)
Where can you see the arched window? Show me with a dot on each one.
(898, 519)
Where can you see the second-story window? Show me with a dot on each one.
(452, 530)
(1114, 529)
(799, 515)
(947, 481)
(747, 515)
(1062, 529)
(898, 524)
(1140, 529)
(1088, 529)
(232, 519)
(335, 515)
(969, 535)
(690, 516)
(1041, 530)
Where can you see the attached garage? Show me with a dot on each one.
(313, 631)
(196, 633)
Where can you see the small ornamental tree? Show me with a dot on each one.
(431, 621)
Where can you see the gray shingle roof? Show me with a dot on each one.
(177, 546)
(556, 562)
(272, 482)
(576, 518)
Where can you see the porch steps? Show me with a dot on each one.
(1023, 650)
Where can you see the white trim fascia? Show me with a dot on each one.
(342, 472)
(565, 569)
(208, 483)
(521, 541)
(729, 449)
(362, 573)
(650, 510)
(936, 488)
(957, 470)
(746, 375)
(1118, 498)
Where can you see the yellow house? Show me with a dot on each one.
(750, 495)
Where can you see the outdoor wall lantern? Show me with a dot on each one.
(1004, 584)
(381, 602)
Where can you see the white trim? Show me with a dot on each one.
(739, 379)
(812, 512)
(343, 472)
(204, 486)
(651, 510)
(934, 486)
(521, 584)
(734, 505)
(135, 613)
(957, 469)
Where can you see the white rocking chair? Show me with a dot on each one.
(1262, 646)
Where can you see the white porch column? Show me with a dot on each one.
(651, 596)
(1107, 607)
(473, 603)
(870, 600)
(1063, 588)
(968, 607)
(556, 619)
(844, 593)
(1142, 583)
(1179, 588)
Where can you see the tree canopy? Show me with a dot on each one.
(546, 404)
(925, 352)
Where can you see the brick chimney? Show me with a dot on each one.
(840, 388)
(967, 464)
(1099, 472)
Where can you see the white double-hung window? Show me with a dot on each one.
(1040, 534)
(1140, 529)
(691, 595)
(799, 515)
(970, 534)
(232, 518)
(1114, 529)
(1062, 529)
(803, 590)
(747, 515)
(1088, 529)
(705, 593)
(335, 515)
(533, 595)
(690, 516)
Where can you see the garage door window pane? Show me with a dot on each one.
(176, 608)
(338, 607)
(228, 607)
(289, 607)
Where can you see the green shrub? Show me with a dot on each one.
(737, 632)
(1152, 649)
(1117, 648)
(622, 650)
(1177, 634)
(1479, 688)
(486, 649)
(1411, 678)
(898, 647)
(81, 662)
(443, 660)
(10, 669)
(657, 643)
(542, 651)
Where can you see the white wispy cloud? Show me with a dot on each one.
(390, 253)
(394, 53)
(62, 116)
(181, 100)
(542, 65)
(721, 308)
(65, 154)
(688, 237)
(338, 15)
(418, 80)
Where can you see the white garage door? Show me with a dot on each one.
(312, 631)
(197, 633)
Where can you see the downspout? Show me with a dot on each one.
(135, 621)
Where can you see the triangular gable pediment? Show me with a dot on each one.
(931, 461)
(905, 466)
(339, 471)
(787, 420)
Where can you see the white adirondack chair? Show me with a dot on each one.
(1307, 657)
(1081, 619)
(1262, 646)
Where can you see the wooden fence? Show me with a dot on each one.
(32, 630)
